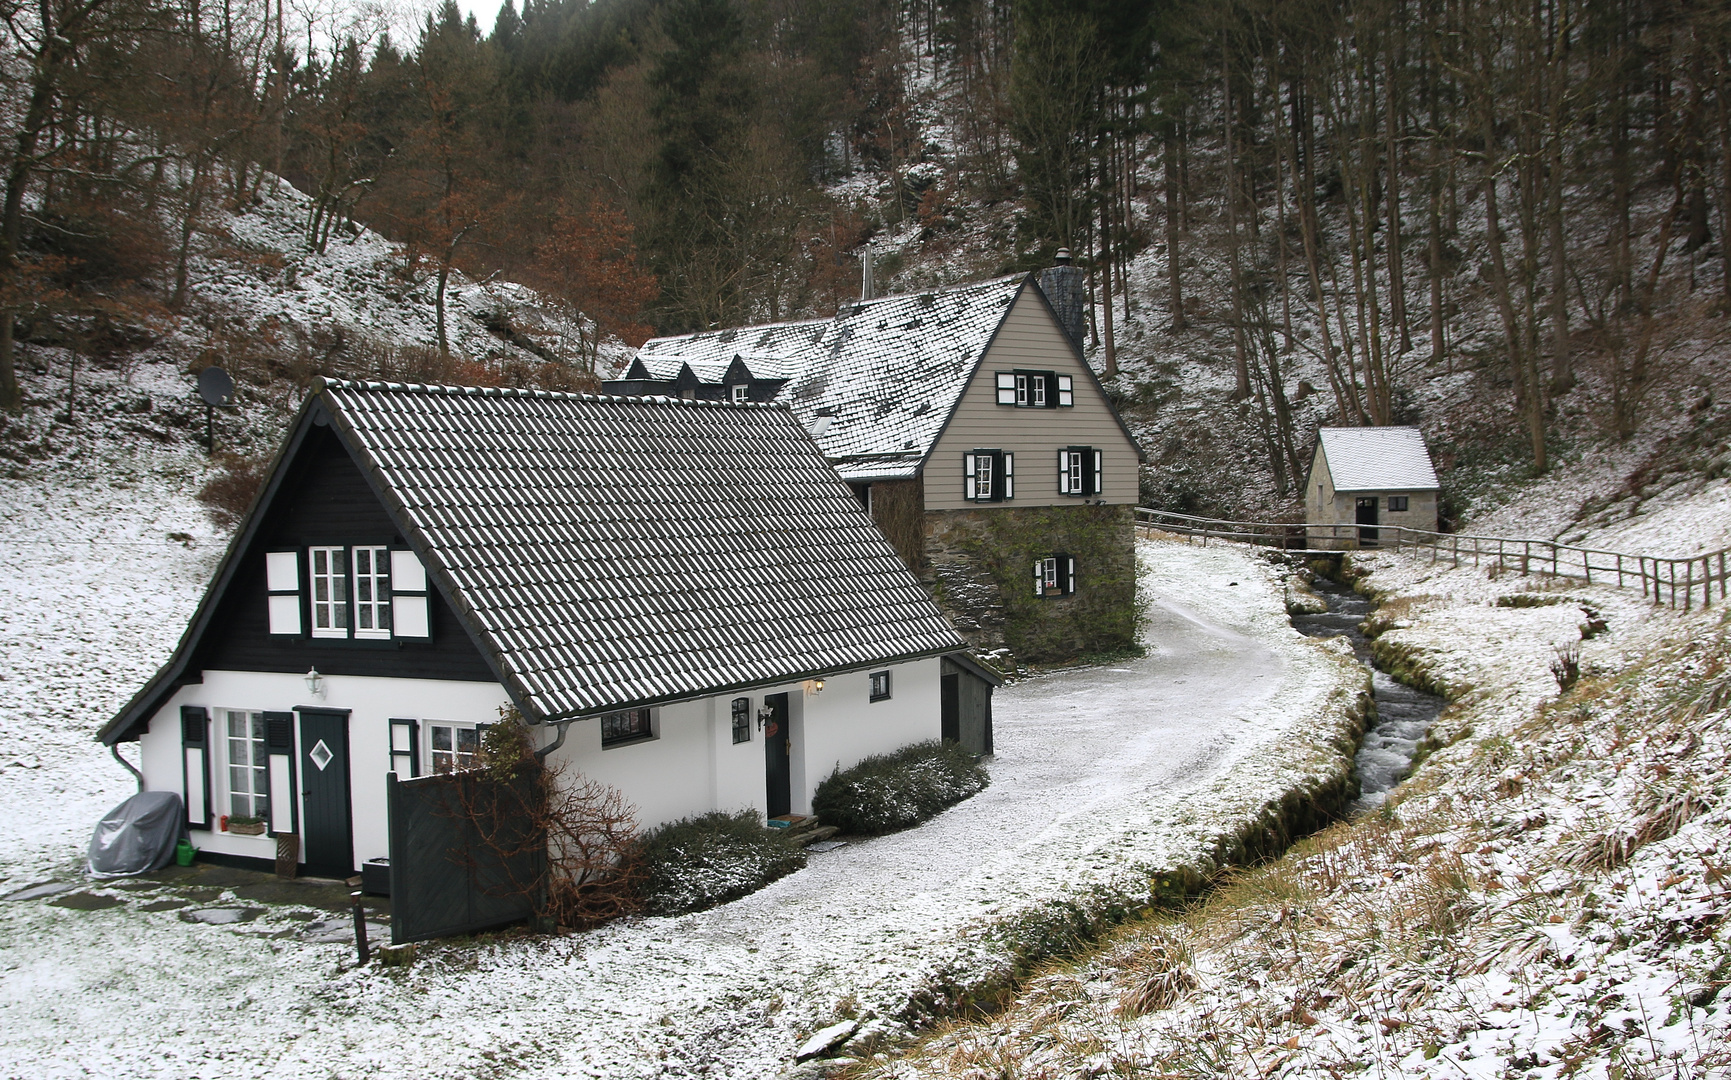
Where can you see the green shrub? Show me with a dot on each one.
(699, 862)
(887, 792)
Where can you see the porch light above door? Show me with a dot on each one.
(315, 682)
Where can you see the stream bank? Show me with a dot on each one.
(1403, 714)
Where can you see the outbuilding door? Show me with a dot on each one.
(950, 707)
(777, 770)
(1367, 531)
(327, 831)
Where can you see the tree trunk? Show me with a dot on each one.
(1174, 276)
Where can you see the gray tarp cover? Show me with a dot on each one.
(137, 836)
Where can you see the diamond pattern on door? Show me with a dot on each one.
(321, 755)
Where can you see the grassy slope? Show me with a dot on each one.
(1545, 897)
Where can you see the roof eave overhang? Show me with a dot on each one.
(591, 712)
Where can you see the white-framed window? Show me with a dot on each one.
(1079, 470)
(248, 764)
(739, 393)
(372, 579)
(330, 591)
(741, 719)
(627, 726)
(988, 476)
(1054, 575)
(1397, 503)
(1035, 389)
(451, 747)
(880, 686)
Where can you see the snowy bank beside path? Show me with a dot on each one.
(1106, 777)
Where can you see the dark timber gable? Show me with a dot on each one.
(324, 499)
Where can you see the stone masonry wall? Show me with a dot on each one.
(980, 567)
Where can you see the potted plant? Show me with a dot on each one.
(246, 826)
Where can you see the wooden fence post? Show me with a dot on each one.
(1620, 571)
(1688, 585)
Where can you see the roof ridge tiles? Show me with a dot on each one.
(458, 391)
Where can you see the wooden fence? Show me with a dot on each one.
(1673, 581)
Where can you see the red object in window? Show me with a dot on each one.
(223, 822)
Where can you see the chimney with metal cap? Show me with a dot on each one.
(1068, 295)
(868, 289)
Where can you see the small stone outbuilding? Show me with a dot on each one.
(1365, 478)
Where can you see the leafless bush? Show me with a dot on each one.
(230, 490)
(587, 830)
(1566, 665)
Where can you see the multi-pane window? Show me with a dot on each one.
(1397, 502)
(372, 592)
(330, 582)
(741, 719)
(1079, 469)
(248, 765)
(1036, 389)
(453, 747)
(627, 725)
(880, 686)
(988, 476)
(1054, 575)
(740, 394)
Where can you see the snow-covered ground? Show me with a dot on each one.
(1546, 897)
(1103, 776)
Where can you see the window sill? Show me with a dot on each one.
(617, 744)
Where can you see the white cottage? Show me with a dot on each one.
(682, 598)
(1367, 477)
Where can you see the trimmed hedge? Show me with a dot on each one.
(887, 792)
(699, 862)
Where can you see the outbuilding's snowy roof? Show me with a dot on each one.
(1377, 459)
(611, 552)
(876, 383)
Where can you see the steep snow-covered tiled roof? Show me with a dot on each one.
(609, 552)
(1377, 458)
(875, 384)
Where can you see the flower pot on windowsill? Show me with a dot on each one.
(244, 827)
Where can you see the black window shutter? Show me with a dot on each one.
(279, 740)
(998, 485)
(405, 748)
(1051, 378)
(195, 764)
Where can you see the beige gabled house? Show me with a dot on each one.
(1365, 479)
(968, 423)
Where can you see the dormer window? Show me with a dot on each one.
(1036, 389)
(739, 394)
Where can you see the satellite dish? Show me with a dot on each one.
(215, 387)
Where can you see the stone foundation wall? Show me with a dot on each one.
(979, 565)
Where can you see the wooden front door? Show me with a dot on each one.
(777, 769)
(950, 707)
(327, 828)
(1367, 531)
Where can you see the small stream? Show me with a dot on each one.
(1403, 714)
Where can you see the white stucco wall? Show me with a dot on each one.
(371, 702)
(690, 767)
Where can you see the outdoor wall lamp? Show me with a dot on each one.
(315, 682)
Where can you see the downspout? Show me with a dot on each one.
(540, 755)
(114, 748)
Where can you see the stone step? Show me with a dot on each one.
(822, 832)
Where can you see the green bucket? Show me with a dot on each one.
(184, 853)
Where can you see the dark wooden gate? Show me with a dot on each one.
(777, 770)
(327, 826)
(464, 856)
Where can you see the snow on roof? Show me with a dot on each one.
(1377, 459)
(611, 552)
(885, 374)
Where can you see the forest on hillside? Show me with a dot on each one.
(1357, 188)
